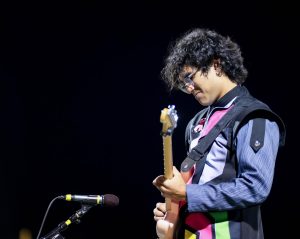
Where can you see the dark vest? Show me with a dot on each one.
(245, 108)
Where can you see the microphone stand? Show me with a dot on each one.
(55, 233)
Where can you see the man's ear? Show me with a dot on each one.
(217, 67)
(216, 63)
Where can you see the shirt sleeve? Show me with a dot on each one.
(254, 177)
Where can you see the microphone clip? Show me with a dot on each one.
(75, 218)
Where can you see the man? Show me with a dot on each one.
(232, 143)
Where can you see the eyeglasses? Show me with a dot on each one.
(187, 82)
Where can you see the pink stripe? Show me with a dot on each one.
(206, 233)
(213, 120)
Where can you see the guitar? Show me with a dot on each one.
(165, 228)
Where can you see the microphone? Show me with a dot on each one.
(107, 200)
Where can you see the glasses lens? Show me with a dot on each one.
(183, 87)
(185, 83)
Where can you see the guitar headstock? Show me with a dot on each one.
(168, 118)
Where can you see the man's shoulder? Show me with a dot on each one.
(253, 108)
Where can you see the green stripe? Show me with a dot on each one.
(221, 225)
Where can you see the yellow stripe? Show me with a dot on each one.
(68, 222)
(189, 235)
(68, 197)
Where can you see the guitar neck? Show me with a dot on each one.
(168, 163)
(168, 157)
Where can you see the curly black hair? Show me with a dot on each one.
(199, 48)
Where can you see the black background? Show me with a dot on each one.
(81, 98)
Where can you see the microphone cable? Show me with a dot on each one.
(44, 219)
